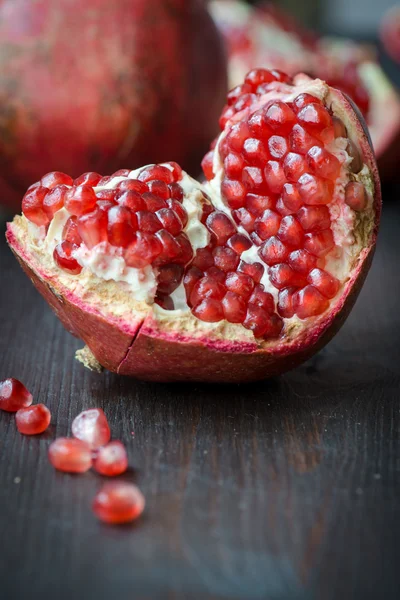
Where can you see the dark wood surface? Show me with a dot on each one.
(287, 489)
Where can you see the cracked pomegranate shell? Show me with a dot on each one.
(237, 279)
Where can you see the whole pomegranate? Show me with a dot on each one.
(238, 279)
(95, 85)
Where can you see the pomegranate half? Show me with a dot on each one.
(267, 37)
(234, 280)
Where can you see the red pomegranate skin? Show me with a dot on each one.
(99, 85)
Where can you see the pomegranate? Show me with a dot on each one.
(238, 279)
(118, 502)
(108, 99)
(14, 395)
(265, 36)
(33, 420)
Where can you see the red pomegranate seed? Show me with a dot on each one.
(244, 218)
(132, 185)
(121, 224)
(178, 209)
(314, 218)
(118, 503)
(54, 200)
(239, 243)
(111, 460)
(175, 169)
(244, 101)
(268, 224)
(277, 146)
(132, 200)
(240, 284)
(281, 76)
(285, 302)
(207, 287)
(165, 302)
(254, 270)
(234, 307)
(282, 276)
(258, 125)
(160, 189)
(221, 226)
(227, 113)
(62, 255)
(234, 192)
(207, 165)
(192, 276)
(315, 190)
(309, 302)
(80, 200)
(91, 426)
(175, 192)
(274, 176)
(32, 206)
(33, 420)
(255, 152)
(256, 77)
(106, 199)
(203, 259)
(273, 251)
(282, 209)
(257, 320)
(280, 117)
(70, 455)
(92, 227)
(238, 91)
(290, 231)
(148, 222)
(258, 204)
(302, 100)
(169, 277)
(324, 282)
(209, 310)
(121, 173)
(170, 220)
(301, 141)
(234, 165)
(207, 210)
(355, 196)
(253, 178)
(263, 299)
(294, 166)
(170, 251)
(320, 243)
(14, 395)
(90, 178)
(216, 274)
(225, 259)
(291, 198)
(186, 250)
(314, 118)
(104, 180)
(70, 232)
(143, 250)
(237, 136)
(153, 202)
(323, 163)
(302, 261)
(156, 172)
(55, 178)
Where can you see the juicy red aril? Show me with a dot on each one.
(253, 178)
(258, 204)
(302, 261)
(207, 287)
(32, 206)
(244, 101)
(90, 178)
(234, 192)
(256, 77)
(239, 243)
(240, 284)
(244, 218)
(291, 198)
(33, 419)
(274, 176)
(143, 250)
(257, 320)
(254, 270)
(14, 395)
(70, 232)
(225, 259)
(234, 307)
(203, 259)
(324, 282)
(258, 125)
(273, 251)
(294, 165)
(282, 276)
(186, 251)
(209, 310)
(153, 202)
(159, 188)
(279, 116)
(148, 221)
(51, 180)
(132, 185)
(169, 220)
(70, 455)
(121, 173)
(170, 249)
(277, 146)
(178, 209)
(92, 228)
(355, 196)
(285, 302)
(309, 302)
(91, 426)
(131, 199)
(54, 200)
(234, 165)
(118, 503)
(255, 151)
(314, 218)
(263, 299)
(207, 165)
(282, 209)
(221, 226)
(62, 255)
(237, 136)
(111, 460)
(175, 169)
(156, 172)
(192, 276)
(120, 229)
(227, 113)
(216, 274)
(290, 231)
(104, 180)
(315, 190)
(176, 192)
(320, 243)
(314, 118)
(165, 302)
(268, 224)
(302, 100)
(80, 200)
(323, 163)
(238, 91)
(169, 277)
(301, 141)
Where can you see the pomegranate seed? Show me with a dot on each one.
(175, 169)
(107, 195)
(104, 180)
(70, 455)
(165, 302)
(282, 276)
(302, 261)
(120, 230)
(54, 200)
(281, 76)
(244, 101)
(244, 218)
(132, 185)
(169, 277)
(221, 226)
(170, 220)
(32, 206)
(178, 210)
(153, 202)
(355, 196)
(170, 248)
(323, 163)
(111, 460)
(234, 307)
(315, 190)
(258, 204)
(302, 100)
(91, 178)
(309, 302)
(118, 502)
(256, 77)
(240, 284)
(227, 113)
(285, 302)
(92, 227)
(320, 243)
(263, 299)
(209, 310)
(55, 178)
(282, 209)
(175, 192)
(274, 176)
(80, 200)
(280, 117)
(234, 94)
(143, 250)
(216, 274)
(301, 141)
(156, 172)
(91, 426)
(273, 251)
(314, 218)
(33, 420)
(132, 200)
(324, 282)
(70, 232)
(268, 224)
(225, 259)
(207, 210)
(255, 152)
(294, 166)
(254, 270)
(291, 198)
(62, 255)
(253, 179)
(207, 287)
(234, 192)
(258, 125)
(203, 259)
(234, 165)
(277, 146)
(148, 222)
(237, 136)
(159, 188)
(314, 118)
(239, 243)
(192, 276)
(290, 231)
(121, 173)
(14, 395)
(257, 320)
(186, 250)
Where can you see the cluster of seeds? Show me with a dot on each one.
(15, 398)
(279, 178)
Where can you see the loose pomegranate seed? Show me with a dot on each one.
(221, 226)
(176, 192)
(274, 176)
(324, 282)
(234, 307)
(323, 163)
(55, 178)
(80, 200)
(62, 255)
(319, 243)
(234, 192)
(92, 227)
(111, 460)
(263, 299)
(90, 178)
(309, 302)
(291, 232)
(14, 395)
(169, 277)
(282, 276)
(70, 232)
(91, 426)
(285, 302)
(156, 172)
(239, 243)
(32, 206)
(143, 250)
(268, 224)
(314, 118)
(118, 503)
(254, 270)
(314, 218)
(280, 117)
(355, 196)
(159, 188)
(315, 190)
(207, 165)
(301, 141)
(274, 251)
(70, 455)
(238, 91)
(132, 185)
(225, 259)
(302, 261)
(121, 225)
(33, 420)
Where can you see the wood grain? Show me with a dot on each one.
(286, 489)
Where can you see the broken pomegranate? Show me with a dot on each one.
(91, 426)
(118, 503)
(238, 279)
(111, 460)
(70, 455)
(14, 395)
(33, 420)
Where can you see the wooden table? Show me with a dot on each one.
(286, 489)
